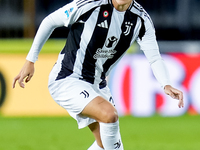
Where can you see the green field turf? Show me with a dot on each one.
(61, 133)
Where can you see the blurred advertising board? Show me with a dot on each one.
(136, 91)
(34, 99)
(134, 88)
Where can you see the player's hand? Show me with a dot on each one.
(26, 73)
(175, 94)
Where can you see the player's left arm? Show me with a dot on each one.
(148, 44)
(162, 75)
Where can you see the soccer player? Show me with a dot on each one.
(101, 32)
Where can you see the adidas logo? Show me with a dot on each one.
(103, 24)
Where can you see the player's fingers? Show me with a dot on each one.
(29, 78)
(180, 95)
(173, 95)
(177, 94)
(21, 81)
(181, 103)
(15, 80)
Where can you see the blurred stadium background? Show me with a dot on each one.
(30, 119)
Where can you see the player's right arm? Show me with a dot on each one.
(61, 17)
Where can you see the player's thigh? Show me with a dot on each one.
(101, 110)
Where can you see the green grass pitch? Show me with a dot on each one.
(61, 133)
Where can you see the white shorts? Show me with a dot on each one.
(74, 94)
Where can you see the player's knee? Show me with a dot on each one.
(110, 117)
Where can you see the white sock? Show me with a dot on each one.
(95, 146)
(110, 136)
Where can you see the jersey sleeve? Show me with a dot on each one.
(67, 13)
(148, 44)
(158, 67)
(147, 40)
(61, 17)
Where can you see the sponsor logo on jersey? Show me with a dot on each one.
(100, 53)
(103, 24)
(111, 42)
(107, 53)
(69, 11)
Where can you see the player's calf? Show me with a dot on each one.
(110, 136)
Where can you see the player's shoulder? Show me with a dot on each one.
(89, 3)
(137, 9)
(79, 7)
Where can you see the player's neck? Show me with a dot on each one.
(121, 5)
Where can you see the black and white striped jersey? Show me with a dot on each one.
(99, 36)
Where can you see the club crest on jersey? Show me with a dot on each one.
(128, 26)
(105, 13)
(69, 11)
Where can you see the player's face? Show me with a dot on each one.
(121, 5)
(123, 2)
